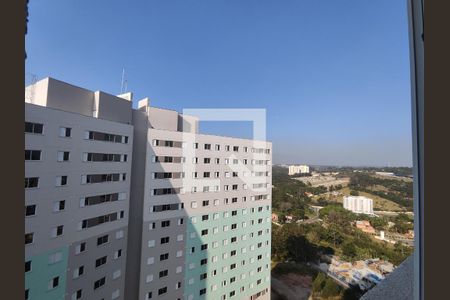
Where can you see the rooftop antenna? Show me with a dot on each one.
(123, 86)
(29, 93)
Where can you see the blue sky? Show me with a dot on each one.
(333, 75)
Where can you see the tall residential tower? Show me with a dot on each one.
(126, 203)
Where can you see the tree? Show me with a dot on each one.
(354, 193)
(349, 250)
(319, 282)
(331, 289)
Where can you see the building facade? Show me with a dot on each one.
(359, 204)
(301, 169)
(125, 203)
(77, 189)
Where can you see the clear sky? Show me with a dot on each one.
(333, 75)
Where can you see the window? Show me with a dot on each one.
(163, 273)
(116, 293)
(99, 283)
(205, 217)
(204, 232)
(217, 161)
(202, 291)
(207, 146)
(53, 283)
(31, 182)
(63, 156)
(105, 157)
(217, 147)
(206, 174)
(118, 254)
(207, 160)
(88, 223)
(57, 231)
(59, 205)
(195, 145)
(102, 240)
(235, 148)
(149, 295)
(78, 272)
(165, 223)
(32, 154)
(65, 131)
(80, 248)
(99, 199)
(164, 240)
(33, 128)
(77, 295)
(204, 247)
(203, 276)
(30, 210)
(100, 261)
(106, 137)
(28, 266)
(164, 256)
(227, 148)
(162, 291)
(61, 180)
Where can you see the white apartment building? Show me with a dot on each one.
(78, 153)
(359, 204)
(125, 203)
(298, 169)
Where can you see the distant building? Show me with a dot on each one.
(410, 234)
(288, 219)
(365, 227)
(301, 169)
(359, 204)
(385, 173)
(274, 217)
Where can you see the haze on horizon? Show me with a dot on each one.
(332, 76)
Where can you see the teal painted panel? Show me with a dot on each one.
(198, 255)
(42, 272)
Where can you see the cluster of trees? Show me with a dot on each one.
(324, 287)
(399, 191)
(403, 223)
(289, 243)
(306, 242)
(288, 196)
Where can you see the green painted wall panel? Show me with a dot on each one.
(42, 272)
